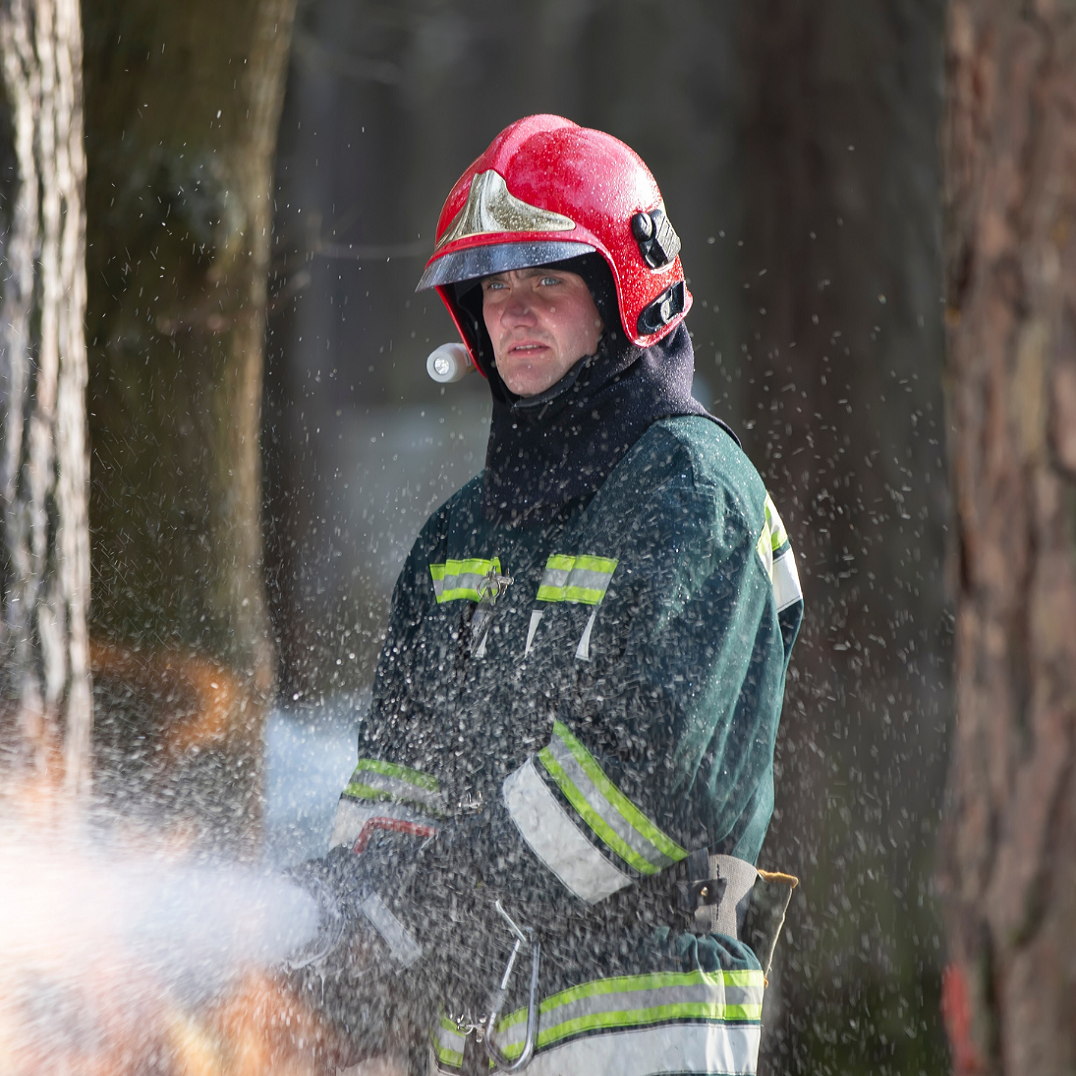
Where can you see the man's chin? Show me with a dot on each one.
(528, 382)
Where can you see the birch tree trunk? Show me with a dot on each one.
(1009, 854)
(43, 459)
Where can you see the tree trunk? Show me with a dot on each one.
(183, 102)
(1009, 867)
(43, 461)
(840, 352)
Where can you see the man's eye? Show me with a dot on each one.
(493, 285)
(550, 280)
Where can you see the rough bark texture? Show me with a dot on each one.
(183, 102)
(43, 462)
(841, 352)
(1009, 868)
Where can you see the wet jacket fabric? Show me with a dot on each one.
(561, 713)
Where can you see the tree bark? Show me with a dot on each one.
(43, 459)
(183, 102)
(1009, 867)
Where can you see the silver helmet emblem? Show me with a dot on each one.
(491, 208)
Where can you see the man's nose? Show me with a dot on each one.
(519, 307)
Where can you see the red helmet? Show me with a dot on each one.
(547, 190)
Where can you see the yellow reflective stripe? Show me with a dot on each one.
(457, 580)
(375, 779)
(582, 580)
(627, 810)
(591, 817)
(559, 562)
(700, 1010)
(583, 595)
(764, 549)
(772, 545)
(678, 1005)
(746, 978)
(778, 534)
(404, 773)
(472, 566)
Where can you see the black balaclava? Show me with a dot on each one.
(547, 450)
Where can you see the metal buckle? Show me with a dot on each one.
(500, 995)
(493, 585)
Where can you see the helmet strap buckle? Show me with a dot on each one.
(657, 238)
(658, 313)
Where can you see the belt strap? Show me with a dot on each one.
(726, 895)
(718, 891)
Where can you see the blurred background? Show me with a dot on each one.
(795, 145)
(263, 180)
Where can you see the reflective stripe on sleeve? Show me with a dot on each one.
(468, 580)
(447, 1040)
(614, 819)
(377, 781)
(778, 560)
(622, 827)
(583, 580)
(554, 838)
(786, 580)
(716, 1013)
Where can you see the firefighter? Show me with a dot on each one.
(568, 759)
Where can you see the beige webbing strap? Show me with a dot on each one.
(727, 915)
(732, 897)
(768, 903)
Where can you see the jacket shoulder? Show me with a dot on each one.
(694, 450)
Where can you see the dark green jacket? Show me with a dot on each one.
(607, 685)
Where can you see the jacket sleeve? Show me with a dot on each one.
(668, 746)
(398, 797)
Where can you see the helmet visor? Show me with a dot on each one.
(477, 262)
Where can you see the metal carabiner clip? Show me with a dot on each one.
(500, 1062)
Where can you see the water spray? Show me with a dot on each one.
(110, 955)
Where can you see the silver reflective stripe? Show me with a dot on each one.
(532, 629)
(582, 651)
(786, 580)
(604, 809)
(555, 577)
(352, 815)
(643, 999)
(554, 838)
(403, 947)
(703, 1048)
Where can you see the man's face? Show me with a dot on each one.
(541, 321)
